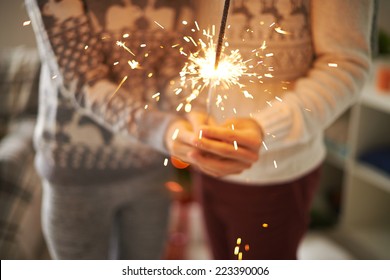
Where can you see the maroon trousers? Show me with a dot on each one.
(261, 222)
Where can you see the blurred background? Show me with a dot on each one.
(351, 213)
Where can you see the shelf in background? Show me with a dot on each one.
(366, 242)
(374, 99)
(371, 174)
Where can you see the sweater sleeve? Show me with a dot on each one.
(73, 47)
(341, 40)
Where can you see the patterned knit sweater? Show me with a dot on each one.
(89, 131)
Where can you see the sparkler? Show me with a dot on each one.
(200, 72)
(221, 33)
(210, 67)
(218, 51)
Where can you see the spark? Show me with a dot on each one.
(156, 95)
(162, 27)
(263, 46)
(247, 94)
(174, 187)
(265, 225)
(178, 91)
(281, 31)
(265, 146)
(116, 90)
(133, 64)
(193, 41)
(187, 108)
(238, 241)
(126, 35)
(219, 100)
(123, 45)
(27, 22)
(178, 108)
(236, 250)
(175, 134)
(278, 98)
(199, 71)
(197, 26)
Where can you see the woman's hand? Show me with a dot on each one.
(227, 149)
(179, 140)
(215, 150)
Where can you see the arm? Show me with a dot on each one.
(341, 36)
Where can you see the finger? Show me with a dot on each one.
(243, 138)
(181, 151)
(227, 150)
(197, 119)
(185, 136)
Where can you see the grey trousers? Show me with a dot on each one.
(122, 220)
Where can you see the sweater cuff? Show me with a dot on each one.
(157, 136)
(276, 122)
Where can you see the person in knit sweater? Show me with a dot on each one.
(101, 137)
(316, 57)
(96, 196)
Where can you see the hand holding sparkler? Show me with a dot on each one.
(227, 149)
(215, 150)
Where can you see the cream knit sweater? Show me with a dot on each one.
(319, 54)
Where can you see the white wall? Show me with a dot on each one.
(12, 31)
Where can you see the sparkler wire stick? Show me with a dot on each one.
(221, 35)
(221, 32)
